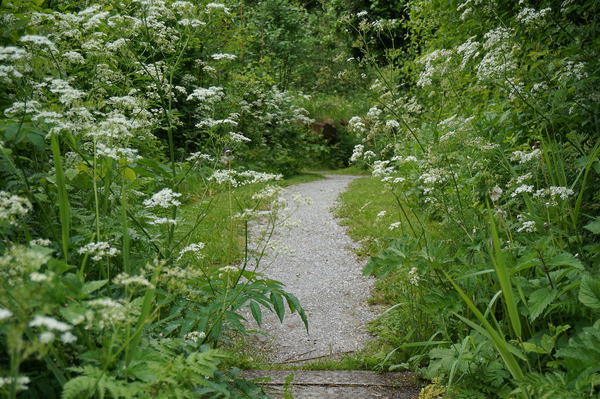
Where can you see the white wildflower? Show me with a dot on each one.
(98, 250)
(37, 277)
(522, 189)
(394, 226)
(195, 248)
(165, 198)
(42, 242)
(195, 336)
(525, 157)
(49, 323)
(13, 207)
(68, 337)
(5, 314)
(46, 337)
(238, 137)
(223, 57)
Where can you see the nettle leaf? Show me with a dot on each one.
(589, 292)
(566, 259)
(539, 301)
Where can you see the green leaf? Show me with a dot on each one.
(594, 226)
(539, 301)
(566, 259)
(90, 287)
(529, 347)
(277, 301)
(256, 312)
(589, 292)
(63, 200)
(129, 174)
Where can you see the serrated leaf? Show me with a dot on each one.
(566, 259)
(589, 292)
(539, 301)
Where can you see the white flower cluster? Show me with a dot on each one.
(530, 15)
(13, 207)
(128, 154)
(525, 157)
(98, 250)
(217, 6)
(357, 153)
(522, 189)
(499, 61)
(562, 192)
(165, 198)
(20, 382)
(199, 155)
(195, 248)
(5, 314)
(414, 277)
(434, 66)
(218, 57)
(527, 226)
(238, 137)
(268, 192)
(211, 95)
(50, 323)
(238, 179)
(127, 280)
(381, 168)
(394, 226)
(195, 336)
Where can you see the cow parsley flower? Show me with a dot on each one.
(5, 314)
(13, 207)
(394, 226)
(165, 198)
(68, 337)
(21, 382)
(46, 337)
(98, 250)
(222, 56)
(195, 248)
(238, 137)
(50, 323)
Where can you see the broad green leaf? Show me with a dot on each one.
(566, 259)
(539, 301)
(129, 174)
(90, 287)
(589, 292)
(594, 226)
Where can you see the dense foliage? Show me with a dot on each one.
(493, 142)
(125, 125)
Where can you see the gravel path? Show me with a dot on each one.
(325, 275)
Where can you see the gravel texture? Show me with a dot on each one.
(323, 272)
